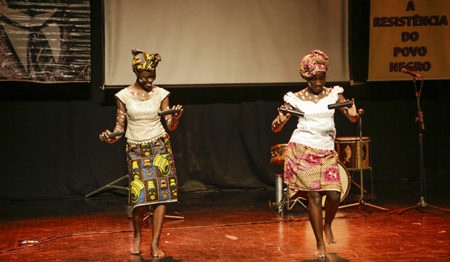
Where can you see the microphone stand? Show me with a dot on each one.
(361, 201)
(421, 127)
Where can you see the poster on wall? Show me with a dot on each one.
(45, 41)
(409, 38)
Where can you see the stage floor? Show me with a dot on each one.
(219, 226)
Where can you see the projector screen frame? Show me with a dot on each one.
(293, 78)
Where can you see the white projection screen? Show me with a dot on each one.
(215, 42)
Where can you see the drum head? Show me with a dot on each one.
(351, 139)
(345, 179)
(278, 147)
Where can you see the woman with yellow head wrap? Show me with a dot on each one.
(310, 166)
(144, 62)
(151, 164)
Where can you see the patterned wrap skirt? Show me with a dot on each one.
(310, 169)
(152, 174)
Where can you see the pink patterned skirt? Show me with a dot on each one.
(310, 169)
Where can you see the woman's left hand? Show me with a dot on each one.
(176, 116)
(351, 111)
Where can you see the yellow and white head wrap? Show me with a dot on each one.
(143, 61)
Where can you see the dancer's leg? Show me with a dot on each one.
(138, 214)
(316, 219)
(158, 218)
(331, 206)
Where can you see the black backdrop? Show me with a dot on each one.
(50, 147)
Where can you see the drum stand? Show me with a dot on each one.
(282, 199)
(361, 201)
(421, 127)
(109, 185)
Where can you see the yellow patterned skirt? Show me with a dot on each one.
(310, 169)
(152, 174)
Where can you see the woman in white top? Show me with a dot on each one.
(310, 167)
(151, 166)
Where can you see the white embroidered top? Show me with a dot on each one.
(316, 129)
(143, 122)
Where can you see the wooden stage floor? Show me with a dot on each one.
(225, 226)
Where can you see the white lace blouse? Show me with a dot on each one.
(143, 122)
(316, 129)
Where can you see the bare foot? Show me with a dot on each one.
(156, 252)
(329, 235)
(136, 249)
(321, 251)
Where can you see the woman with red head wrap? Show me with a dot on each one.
(310, 166)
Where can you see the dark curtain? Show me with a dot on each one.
(50, 149)
(50, 146)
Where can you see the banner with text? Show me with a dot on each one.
(409, 38)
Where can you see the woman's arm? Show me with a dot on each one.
(120, 122)
(172, 119)
(281, 119)
(349, 112)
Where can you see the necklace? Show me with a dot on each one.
(141, 94)
(308, 96)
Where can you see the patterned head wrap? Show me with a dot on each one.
(312, 63)
(143, 61)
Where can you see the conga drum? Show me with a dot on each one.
(277, 154)
(349, 152)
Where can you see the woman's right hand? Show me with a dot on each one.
(282, 116)
(106, 133)
(281, 119)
